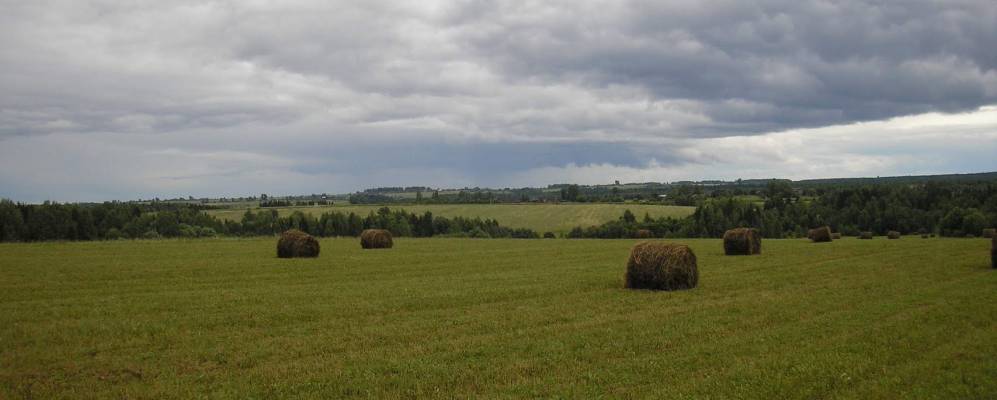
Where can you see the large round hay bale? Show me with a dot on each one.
(893, 235)
(643, 234)
(661, 266)
(295, 243)
(865, 235)
(822, 234)
(989, 233)
(375, 239)
(835, 235)
(742, 241)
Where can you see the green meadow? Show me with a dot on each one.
(466, 318)
(559, 218)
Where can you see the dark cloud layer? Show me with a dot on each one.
(479, 89)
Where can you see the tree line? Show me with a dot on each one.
(953, 209)
(115, 220)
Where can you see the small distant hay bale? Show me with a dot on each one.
(549, 235)
(865, 235)
(643, 234)
(822, 234)
(989, 233)
(893, 235)
(970, 236)
(376, 239)
(742, 241)
(661, 266)
(295, 243)
(835, 235)
(924, 236)
(993, 252)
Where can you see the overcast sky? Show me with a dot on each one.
(134, 99)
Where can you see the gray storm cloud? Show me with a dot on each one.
(469, 91)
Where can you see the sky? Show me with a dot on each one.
(103, 100)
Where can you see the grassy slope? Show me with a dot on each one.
(224, 318)
(539, 217)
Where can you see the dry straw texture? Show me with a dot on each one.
(822, 234)
(836, 235)
(893, 235)
(643, 234)
(742, 241)
(865, 235)
(295, 243)
(376, 239)
(661, 266)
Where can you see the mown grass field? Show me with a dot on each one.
(558, 218)
(225, 318)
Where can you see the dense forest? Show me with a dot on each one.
(945, 208)
(53, 221)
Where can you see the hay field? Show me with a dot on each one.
(464, 318)
(541, 218)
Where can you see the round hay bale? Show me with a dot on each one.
(376, 239)
(549, 235)
(295, 243)
(822, 234)
(661, 266)
(865, 235)
(742, 241)
(989, 233)
(835, 235)
(993, 252)
(893, 235)
(643, 234)
(924, 236)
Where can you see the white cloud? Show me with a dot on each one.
(114, 99)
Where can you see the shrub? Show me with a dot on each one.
(661, 266)
(295, 243)
(478, 233)
(112, 234)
